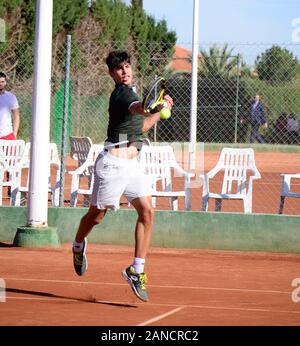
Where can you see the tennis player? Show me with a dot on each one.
(117, 172)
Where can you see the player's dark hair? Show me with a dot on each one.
(116, 58)
(3, 75)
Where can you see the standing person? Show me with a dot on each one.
(9, 115)
(9, 111)
(257, 118)
(117, 172)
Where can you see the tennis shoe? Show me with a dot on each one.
(137, 282)
(80, 260)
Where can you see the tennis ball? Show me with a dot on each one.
(165, 113)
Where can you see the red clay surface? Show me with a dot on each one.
(186, 288)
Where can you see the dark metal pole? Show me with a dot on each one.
(65, 121)
(237, 98)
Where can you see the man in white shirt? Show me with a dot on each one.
(9, 115)
(9, 111)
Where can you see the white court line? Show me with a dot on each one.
(160, 317)
(156, 286)
(175, 306)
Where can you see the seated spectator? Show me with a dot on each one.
(280, 129)
(292, 128)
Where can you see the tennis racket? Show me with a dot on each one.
(155, 96)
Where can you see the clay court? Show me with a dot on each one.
(186, 288)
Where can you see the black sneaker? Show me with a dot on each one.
(80, 260)
(137, 282)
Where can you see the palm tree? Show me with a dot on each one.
(218, 62)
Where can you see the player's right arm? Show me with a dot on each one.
(137, 108)
(149, 118)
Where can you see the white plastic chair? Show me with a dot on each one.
(237, 164)
(79, 149)
(54, 162)
(159, 162)
(286, 182)
(86, 154)
(11, 153)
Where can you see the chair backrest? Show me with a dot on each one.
(80, 147)
(53, 155)
(11, 152)
(236, 164)
(92, 156)
(158, 162)
(54, 158)
(95, 151)
(83, 150)
(146, 141)
(80, 151)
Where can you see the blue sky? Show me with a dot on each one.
(238, 21)
(231, 21)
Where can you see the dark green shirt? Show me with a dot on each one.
(122, 124)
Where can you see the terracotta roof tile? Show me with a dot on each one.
(182, 59)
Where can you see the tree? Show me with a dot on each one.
(218, 62)
(66, 16)
(111, 14)
(153, 42)
(137, 3)
(7, 6)
(277, 65)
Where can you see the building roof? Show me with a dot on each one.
(182, 59)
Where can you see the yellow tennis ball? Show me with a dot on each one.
(165, 113)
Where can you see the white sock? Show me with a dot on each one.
(138, 265)
(77, 246)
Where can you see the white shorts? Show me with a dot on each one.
(115, 176)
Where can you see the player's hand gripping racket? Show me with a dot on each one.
(154, 99)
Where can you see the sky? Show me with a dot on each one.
(232, 21)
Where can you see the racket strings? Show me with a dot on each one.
(154, 97)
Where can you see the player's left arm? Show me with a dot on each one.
(150, 118)
(137, 107)
(16, 121)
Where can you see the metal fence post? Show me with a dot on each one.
(65, 121)
(237, 98)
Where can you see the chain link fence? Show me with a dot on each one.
(230, 76)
